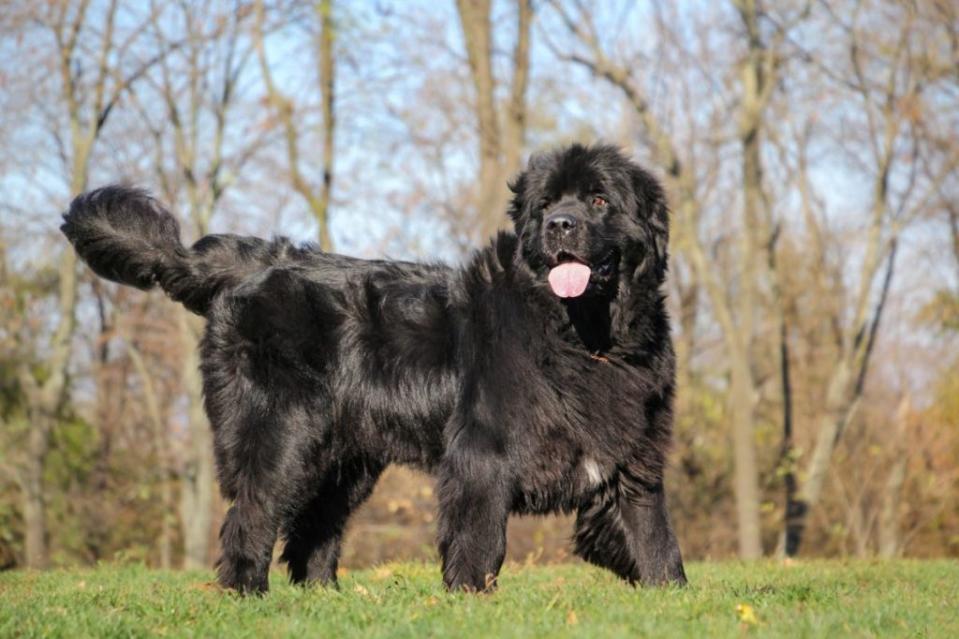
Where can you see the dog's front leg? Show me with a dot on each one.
(643, 509)
(626, 529)
(473, 492)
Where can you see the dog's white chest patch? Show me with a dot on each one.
(592, 471)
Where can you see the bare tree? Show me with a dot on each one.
(500, 146)
(735, 313)
(886, 78)
(91, 82)
(196, 162)
(161, 451)
(890, 538)
(285, 111)
(759, 74)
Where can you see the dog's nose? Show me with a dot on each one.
(561, 222)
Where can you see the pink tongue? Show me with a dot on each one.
(569, 279)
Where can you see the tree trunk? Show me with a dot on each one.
(36, 553)
(44, 401)
(787, 457)
(475, 20)
(500, 150)
(829, 426)
(196, 499)
(889, 534)
(744, 451)
(165, 542)
(842, 400)
(284, 108)
(514, 132)
(758, 80)
(327, 86)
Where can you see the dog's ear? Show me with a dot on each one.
(653, 212)
(518, 187)
(659, 224)
(525, 181)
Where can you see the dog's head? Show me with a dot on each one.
(588, 218)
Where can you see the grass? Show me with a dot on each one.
(807, 599)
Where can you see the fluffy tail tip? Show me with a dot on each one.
(122, 233)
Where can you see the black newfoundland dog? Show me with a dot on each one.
(537, 378)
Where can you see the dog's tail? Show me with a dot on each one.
(126, 236)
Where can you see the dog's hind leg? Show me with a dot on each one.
(247, 537)
(626, 529)
(315, 532)
(260, 468)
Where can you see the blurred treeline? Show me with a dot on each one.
(810, 149)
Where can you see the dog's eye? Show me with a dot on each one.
(599, 200)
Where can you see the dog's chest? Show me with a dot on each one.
(572, 429)
(597, 401)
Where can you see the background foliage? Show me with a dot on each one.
(809, 149)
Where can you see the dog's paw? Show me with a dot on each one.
(471, 582)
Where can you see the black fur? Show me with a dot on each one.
(319, 370)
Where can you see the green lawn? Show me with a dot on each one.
(812, 599)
